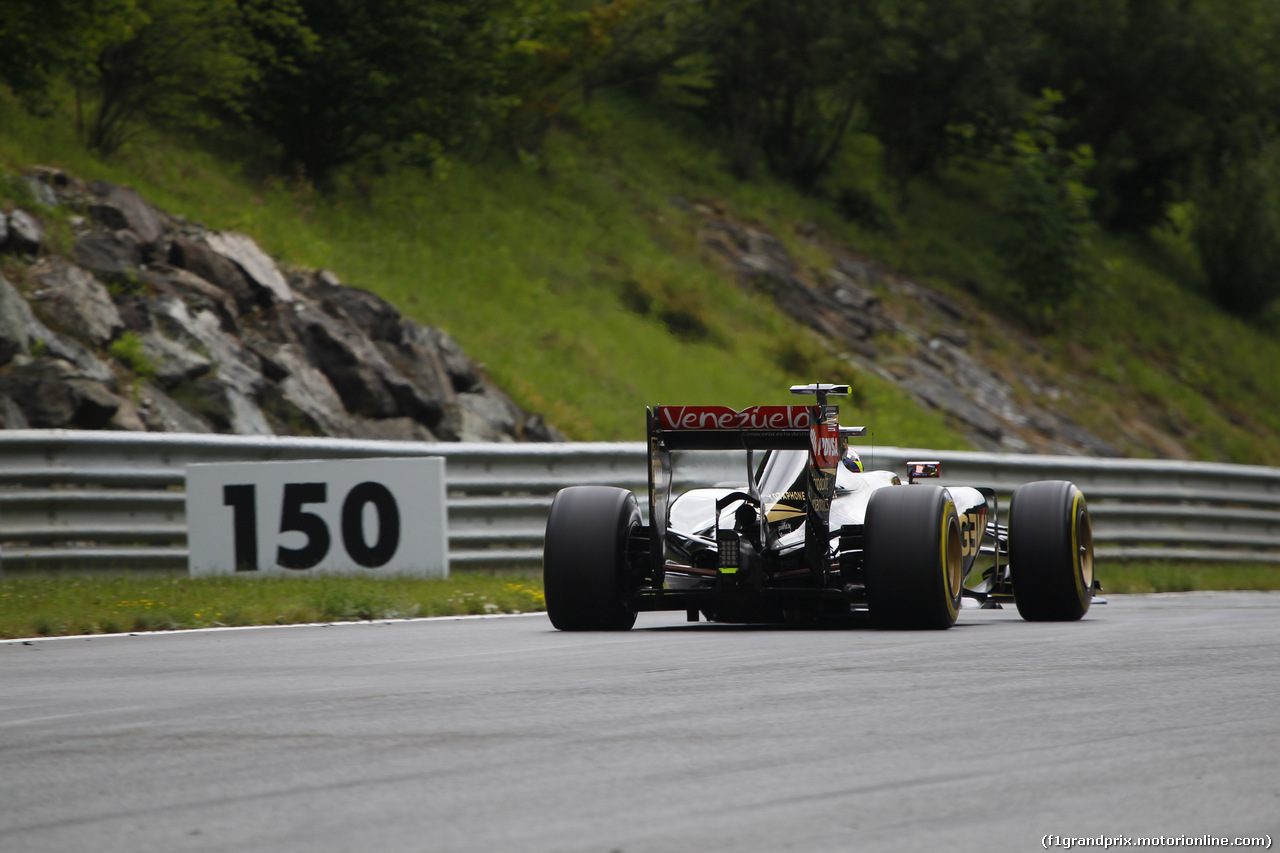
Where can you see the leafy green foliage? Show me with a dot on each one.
(939, 67)
(42, 39)
(1047, 203)
(128, 351)
(1157, 88)
(177, 61)
(786, 84)
(401, 79)
(1237, 231)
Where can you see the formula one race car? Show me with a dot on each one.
(810, 536)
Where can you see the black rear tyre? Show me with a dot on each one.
(1050, 551)
(912, 558)
(584, 559)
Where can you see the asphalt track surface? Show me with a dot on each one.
(1157, 715)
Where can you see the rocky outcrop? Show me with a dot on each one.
(155, 323)
(927, 338)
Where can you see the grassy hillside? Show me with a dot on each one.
(538, 269)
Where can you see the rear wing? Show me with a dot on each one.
(813, 428)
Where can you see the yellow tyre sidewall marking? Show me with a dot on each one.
(1077, 563)
(948, 511)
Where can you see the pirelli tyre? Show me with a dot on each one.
(912, 558)
(584, 559)
(1050, 551)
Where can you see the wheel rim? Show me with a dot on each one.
(954, 558)
(1084, 548)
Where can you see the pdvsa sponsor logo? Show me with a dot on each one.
(722, 417)
(824, 444)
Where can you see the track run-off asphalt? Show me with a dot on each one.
(1155, 716)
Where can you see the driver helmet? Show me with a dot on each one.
(851, 461)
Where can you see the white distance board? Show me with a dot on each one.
(347, 516)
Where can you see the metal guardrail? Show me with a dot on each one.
(87, 500)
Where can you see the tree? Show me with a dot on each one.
(180, 58)
(1047, 204)
(42, 39)
(792, 78)
(1237, 232)
(412, 77)
(944, 74)
(786, 82)
(1159, 89)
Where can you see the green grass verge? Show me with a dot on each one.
(1161, 576)
(49, 607)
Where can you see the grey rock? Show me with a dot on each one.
(161, 413)
(765, 245)
(761, 270)
(931, 298)
(236, 366)
(348, 359)
(939, 391)
(4, 228)
(419, 357)
(1070, 437)
(535, 428)
(235, 349)
(196, 292)
(112, 254)
(368, 312)
(309, 392)
(256, 264)
(45, 400)
(26, 234)
(52, 394)
(429, 388)
(246, 417)
(955, 336)
(391, 429)
(859, 271)
(127, 418)
(204, 262)
(95, 405)
(58, 346)
(72, 299)
(850, 293)
(134, 313)
(845, 312)
(368, 385)
(494, 409)
(173, 362)
(41, 192)
(462, 424)
(825, 315)
(462, 371)
(121, 208)
(13, 323)
(16, 309)
(975, 378)
(12, 414)
(228, 410)
(727, 237)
